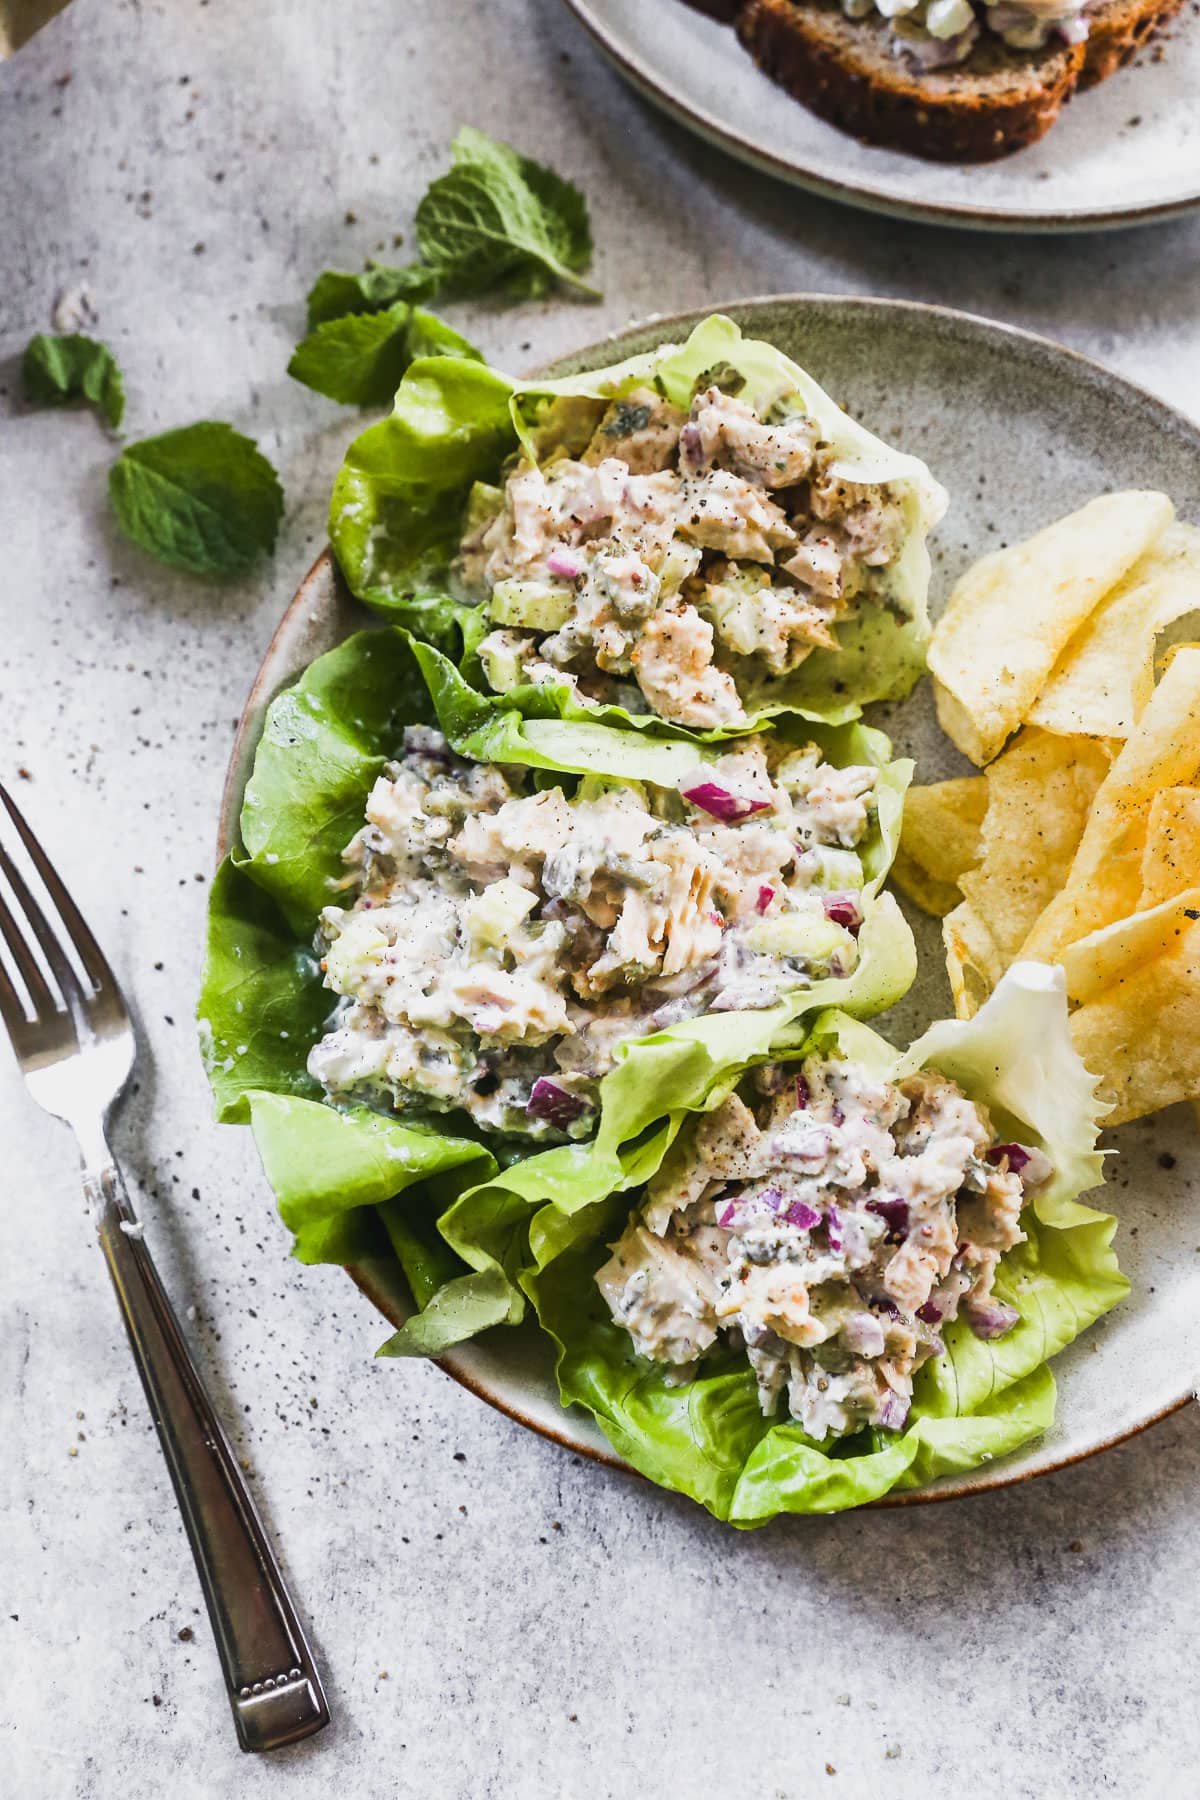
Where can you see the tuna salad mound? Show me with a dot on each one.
(935, 34)
(829, 1225)
(672, 560)
(506, 934)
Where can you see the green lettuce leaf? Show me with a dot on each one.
(351, 1184)
(399, 499)
(324, 742)
(979, 1400)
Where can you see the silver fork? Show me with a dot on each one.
(75, 1044)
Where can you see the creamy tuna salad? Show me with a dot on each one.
(830, 1224)
(501, 935)
(674, 561)
(935, 34)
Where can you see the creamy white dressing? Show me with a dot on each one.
(501, 940)
(828, 1225)
(935, 34)
(691, 555)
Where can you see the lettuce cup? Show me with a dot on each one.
(691, 541)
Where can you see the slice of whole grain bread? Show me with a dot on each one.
(996, 102)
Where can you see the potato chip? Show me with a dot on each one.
(1108, 957)
(973, 962)
(1013, 613)
(1105, 880)
(938, 841)
(1142, 1034)
(1105, 675)
(1040, 791)
(1171, 859)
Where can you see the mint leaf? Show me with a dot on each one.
(202, 498)
(336, 294)
(360, 359)
(55, 370)
(430, 336)
(497, 219)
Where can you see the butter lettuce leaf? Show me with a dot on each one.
(400, 497)
(324, 742)
(707, 1437)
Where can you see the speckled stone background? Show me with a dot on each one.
(495, 1617)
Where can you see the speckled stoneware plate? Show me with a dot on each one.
(1019, 430)
(1126, 153)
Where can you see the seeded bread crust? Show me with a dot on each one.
(997, 102)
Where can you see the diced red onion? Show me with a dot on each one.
(885, 1304)
(930, 1313)
(727, 1217)
(1017, 1156)
(691, 451)
(844, 910)
(799, 1213)
(565, 562)
(833, 1228)
(990, 1318)
(801, 1094)
(895, 1212)
(765, 896)
(554, 1104)
(893, 1414)
(721, 803)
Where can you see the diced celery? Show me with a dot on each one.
(355, 953)
(537, 605)
(494, 916)
(797, 934)
(841, 871)
(680, 561)
(797, 771)
(483, 505)
(502, 666)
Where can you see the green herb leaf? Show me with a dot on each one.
(58, 369)
(430, 336)
(497, 219)
(360, 359)
(202, 498)
(335, 294)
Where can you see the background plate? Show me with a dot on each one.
(1126, 153)
(1020, 430)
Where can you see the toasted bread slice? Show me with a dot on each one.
(996, 102)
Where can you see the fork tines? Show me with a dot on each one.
(50, 937)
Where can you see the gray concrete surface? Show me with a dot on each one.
(496, 1618)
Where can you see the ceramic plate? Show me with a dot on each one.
(1125, 153)
(1020, 430)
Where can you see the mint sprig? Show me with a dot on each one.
(495, 222)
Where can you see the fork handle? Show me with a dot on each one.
(274, 1687)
